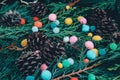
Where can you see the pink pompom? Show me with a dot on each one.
(83, 21)
(43, 67)
(73, 39)
(89, 45)
(52, 17)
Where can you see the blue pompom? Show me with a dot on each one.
(85, 28)
(34, 29)
(30, 78)
(46, 75)
(92, 28)
(53, 25)
(102, 52)
(91, 54)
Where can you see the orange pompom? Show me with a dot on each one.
(74, 78)
(35, 18)
(86, 60)
(38, 24)
(22, 21)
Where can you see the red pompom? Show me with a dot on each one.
(35, 18)
(74, 78)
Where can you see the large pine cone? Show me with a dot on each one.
(38, 9)
(49, 48)
(11, 18)
(28, 62)
(105, 25)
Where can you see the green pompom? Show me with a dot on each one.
(113, 46)
(65, 63)
(91, 77)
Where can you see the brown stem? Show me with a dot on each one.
(78, 72)
(73, 3)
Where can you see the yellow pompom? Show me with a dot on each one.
(67, 7)
(68, 21)
(24, 43)
(79, 17)
(97, 38)
(60, 65)
(96, 51)
(90, 34)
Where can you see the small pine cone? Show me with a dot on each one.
(116, 37)
(105, 26)
(38, 9)
(28, 62)
(11, 18)
(49, 48)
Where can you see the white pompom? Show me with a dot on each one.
(66, 39)
(57, 22)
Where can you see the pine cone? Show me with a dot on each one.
(28, 62)
(116, 37)
(105, 26)
(49, 48)
(38, 9)
(11, 18)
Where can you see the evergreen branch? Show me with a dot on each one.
(78, 72)
(3, 2)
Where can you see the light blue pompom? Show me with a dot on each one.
(92, 28)
(102, 52)
(46, 75)
(53, 25)
(30, 78)
(91, 54)
(56, 30)
(85, 28)
(34, 29)
(91, 77)
(57, 22)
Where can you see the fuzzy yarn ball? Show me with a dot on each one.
(96, 51)
(65, 63)
(43, 67)
(86, 60)
(71, 61)
(92, 28)
(35, 18)
(90, 34)
(30, 78)
(83, 21)
(60, 65)
(56, 30)
(89, 45)
(97, 38)
(53, 25)
(38, 24)
(113, 46)
(46, 75)
(52, 17)
(22, 21)
(66, 39)
(57, 22)
(79, 17)
(91, 77)
(34, 29)
(67, 7)
(24, 43)
(91, 54)
(73, 39)
(68, 21)
(85, 28)
(74, 78)
(102, 52)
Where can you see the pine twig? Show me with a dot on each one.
(3, 2)
(78, 72)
